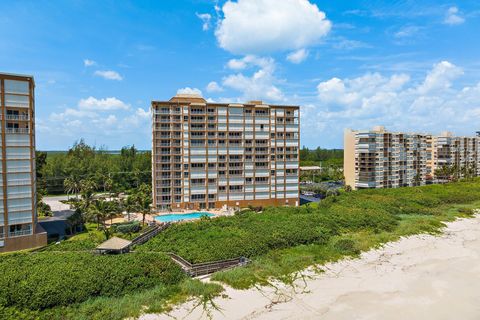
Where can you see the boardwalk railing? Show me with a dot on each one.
(149, 234)
(200, 269)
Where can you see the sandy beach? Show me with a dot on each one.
(419, 277)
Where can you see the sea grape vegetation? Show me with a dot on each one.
(68, 282)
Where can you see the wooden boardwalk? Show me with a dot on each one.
(200, 269)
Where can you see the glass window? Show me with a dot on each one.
(14, 86)
(17, 101)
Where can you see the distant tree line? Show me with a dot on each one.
(330, 160)
(59, 171)
(327, 157)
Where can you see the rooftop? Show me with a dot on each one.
(198, 99)
(114, 243)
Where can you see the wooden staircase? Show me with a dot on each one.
(199, 269)
(149, 233)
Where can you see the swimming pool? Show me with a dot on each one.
(180, 217)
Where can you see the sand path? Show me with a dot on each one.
(419, 277)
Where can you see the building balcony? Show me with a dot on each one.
(17, 130)
(16, 117)
(20, 233)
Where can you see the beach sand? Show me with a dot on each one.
(419, 277)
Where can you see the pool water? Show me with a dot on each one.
(180, 217)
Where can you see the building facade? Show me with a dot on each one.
(207, 155)
(459, 153)
(18, 218)
(383, 159)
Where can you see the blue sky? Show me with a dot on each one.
(408, 65)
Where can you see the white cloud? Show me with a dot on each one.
(140, 118)
(407, 31)
(71, 113)
(297, 56)
(88, 63)
(205, 17)
(188, 90)
(440, 77)
(261, 26)
(347, 44)
(109, 75)
(432, 104)
(213, 86)
(249, 61)
(453, 17)
(83, 121)
(260, 85)
(111, 120)
(237, 64)
(111, 103)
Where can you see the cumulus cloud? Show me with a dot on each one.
(88, 63)
(440, 77)
(111, 103)
(277, 26)
(109, 75)
(453, 17)
(259, 85)
(140, 117)
(298, 56)
(97, 119)
(213, 86)
(396, 101)
(205, 17)
(188, 90)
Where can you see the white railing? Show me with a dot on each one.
(23, 182)
(17, 117)
(17, 130)
(20, 233)
(18, 169)
(22, 207)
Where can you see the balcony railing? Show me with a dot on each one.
(23, 182)
(19, 233)
(17, 130)
(17, 117)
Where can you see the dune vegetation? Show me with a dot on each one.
(280, 242)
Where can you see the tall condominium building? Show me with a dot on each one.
(207, 155)
(18, 219)
(382, 159)
(459, 152)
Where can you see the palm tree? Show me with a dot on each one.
(87, 189)
(130, 205)
(72, 186)
(100, 211)
(143, 200)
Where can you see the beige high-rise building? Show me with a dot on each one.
(381, 159)
(460, 153)
(207, 155)
(18, 216)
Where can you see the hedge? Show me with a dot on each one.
(252, 234)
(48, 279)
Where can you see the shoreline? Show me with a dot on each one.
(417, 277)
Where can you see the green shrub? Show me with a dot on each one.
(253, 234)
(48, 279)
(346, 246)
(129, 227)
